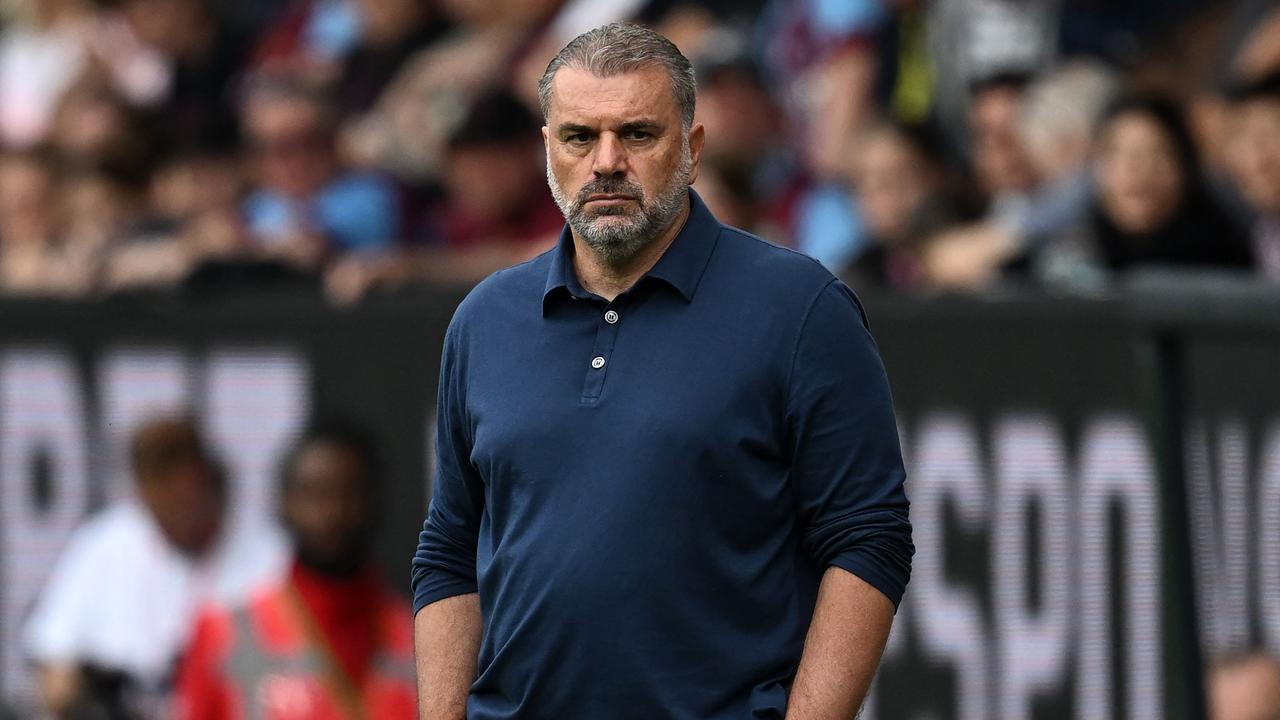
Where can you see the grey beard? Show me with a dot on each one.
(619, 241)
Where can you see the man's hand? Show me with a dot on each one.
(446, 639)
(842, 650)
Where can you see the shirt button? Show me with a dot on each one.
(597, 362)
(611, 317)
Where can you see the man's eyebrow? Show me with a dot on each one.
(572, 128)
(642, 124)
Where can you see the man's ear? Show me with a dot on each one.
(546, 141)
(697, 138)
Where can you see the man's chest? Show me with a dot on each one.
(644, 385)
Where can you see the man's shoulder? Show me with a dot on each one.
(765, 266)
(117, 527)
(522, 283)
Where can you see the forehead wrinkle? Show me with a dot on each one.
(580, 97)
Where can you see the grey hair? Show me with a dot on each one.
(618, 48)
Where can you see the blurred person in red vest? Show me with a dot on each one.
(330, 641)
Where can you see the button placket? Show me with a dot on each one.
(601, 354)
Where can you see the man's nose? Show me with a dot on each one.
(610, 158)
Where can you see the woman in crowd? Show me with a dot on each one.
(1151, 206)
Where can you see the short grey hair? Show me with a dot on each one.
(619, 48)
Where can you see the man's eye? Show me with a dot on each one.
(578, 139)
(639, 135)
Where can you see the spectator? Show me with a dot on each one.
(310, 39)
(821, 59)
(392, 31)
(1056, 126)
(496, 210)
(974, 39)
(193, 60)
(1245, 688)
(305, 206)
(494, 192)
(1254, 160)
(758, 178)
(192, 216)
(406, 132)
(1151, 205)
(95, 125)
(329, 642)
(28, 220)
(900, 189)
(1001, 164)
(118, 608)
(39, 60)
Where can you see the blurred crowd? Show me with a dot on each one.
(166, 606)
(358, 145)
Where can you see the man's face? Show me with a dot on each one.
(619, 163)
(326, 506)
(893, 184)
(1254, 153)
(187, 502)
(999, 157)
(292, 147)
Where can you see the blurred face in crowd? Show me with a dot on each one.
(91, 121)
(326, 506)
(739, 117)
(190, 186)
(179, 484)
(893, 182)
(169, 26)
(493, 180)
(999, 157)
(389, 20)
(292, 144)
(1140, 178)
(1254, 152)
(1248, 689)
(26, 199)
(619, 162)
(96, 208)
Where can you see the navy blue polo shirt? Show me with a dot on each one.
(646, 492)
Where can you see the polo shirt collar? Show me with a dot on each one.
(681, 266)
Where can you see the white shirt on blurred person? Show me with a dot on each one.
(123, 597)
(117, 612)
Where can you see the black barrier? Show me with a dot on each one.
(1049, 580)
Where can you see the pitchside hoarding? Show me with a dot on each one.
(1037, 589)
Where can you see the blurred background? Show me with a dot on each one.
(246, 219)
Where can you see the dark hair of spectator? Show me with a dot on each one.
(340, 433)
(1200, 231)
(160, 445)
(495, 118)
(1168, 115)
(1017, 80)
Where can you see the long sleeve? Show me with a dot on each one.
(445, 562)
(847, 466)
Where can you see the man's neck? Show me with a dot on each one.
(610, 280)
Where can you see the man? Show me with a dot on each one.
(331, 641)
(117, 611)
(669, 480)
(1254, 160)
